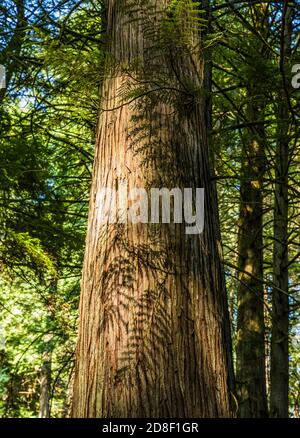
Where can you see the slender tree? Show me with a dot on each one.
(280, 298)
(45, 379)
(250, 349)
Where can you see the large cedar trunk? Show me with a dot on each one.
(154, 332)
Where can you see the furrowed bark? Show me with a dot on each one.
(45, 380)
(250, 349)
(154, 332)
(280, 299)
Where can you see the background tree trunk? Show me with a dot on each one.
(250, 350)
(250, 369)
(154, 337)
(45, 382)
(280, 299)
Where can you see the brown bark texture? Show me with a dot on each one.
(250, 346)
(154, 337)
(279, 394)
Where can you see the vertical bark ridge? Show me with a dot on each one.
(153, 336)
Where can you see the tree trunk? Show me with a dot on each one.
(154, 336)
(280, 299)
(250, 350)
(9, 55)
(45, 379)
